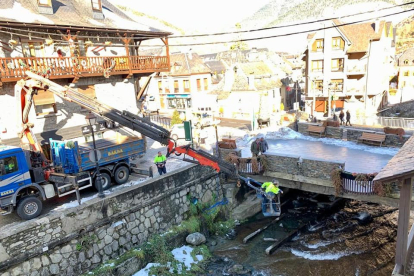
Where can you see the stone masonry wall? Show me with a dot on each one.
(352, 134)
(296, 165)
(78, 239)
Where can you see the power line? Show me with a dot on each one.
(290, 34)
(293, 24)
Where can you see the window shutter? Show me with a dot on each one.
(342, 43)
(314, 46)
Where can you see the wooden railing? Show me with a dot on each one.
(56, 67)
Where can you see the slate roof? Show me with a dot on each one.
(360, 34)
(407, 55)
(401, 164)
(257, 68)
(187, 64)
(216, 66)
(71, 14)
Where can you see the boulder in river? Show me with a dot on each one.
(238, 269)
(195, 239)
(363, 218)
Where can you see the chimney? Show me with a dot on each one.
(251, 83)
(376, 25)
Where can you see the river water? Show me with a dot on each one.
(358, 158)
(333, 242)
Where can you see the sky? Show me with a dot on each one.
(212, 15)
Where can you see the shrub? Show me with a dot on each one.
(176, 118)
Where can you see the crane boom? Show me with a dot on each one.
(127, 119)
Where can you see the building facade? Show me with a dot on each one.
(89, 45)
(175, 90)
(405, 90)
(344, 61)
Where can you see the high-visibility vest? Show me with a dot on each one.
(159, 159)
(266, 184)
(272, 189)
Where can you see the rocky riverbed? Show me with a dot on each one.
(352, 239)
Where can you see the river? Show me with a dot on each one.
(333, 242)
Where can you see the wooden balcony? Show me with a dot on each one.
(12, 69)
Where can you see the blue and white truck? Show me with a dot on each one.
(23, 187)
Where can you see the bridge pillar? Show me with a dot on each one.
(403, 226)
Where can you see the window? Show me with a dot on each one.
(317, 45)
(317, 65)
(337, 65)
(338, 43)
(47, 3)
(406, 61)
(406, 73)
(318, 85)
(160, 86)
(44, 103)
(186, 85)
(205, 84)
(336, 85)
(96, 5)
(8, 165)
(166, 86)
(198, 84)
(176, 88)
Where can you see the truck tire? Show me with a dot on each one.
(121, 175)
(106, 182)
(29, 207)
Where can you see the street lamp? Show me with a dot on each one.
(91, 121)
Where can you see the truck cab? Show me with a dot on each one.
(16, 186)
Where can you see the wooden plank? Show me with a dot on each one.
(260, 230)
(403, 222)
(276, 245)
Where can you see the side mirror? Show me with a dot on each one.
(2, 171)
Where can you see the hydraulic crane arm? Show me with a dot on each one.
(129, 120)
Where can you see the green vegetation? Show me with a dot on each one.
(86, 242)
(176, 118)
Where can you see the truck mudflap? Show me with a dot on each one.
(37, 186)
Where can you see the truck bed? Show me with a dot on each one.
(75, 158)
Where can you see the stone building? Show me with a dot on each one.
(349, 60)
(90, 45)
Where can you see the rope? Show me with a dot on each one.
(223, 201)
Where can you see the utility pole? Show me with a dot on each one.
(329, 102)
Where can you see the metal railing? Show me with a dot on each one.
(161, 121)
(247, 167)
(351, 186)
(396, 122)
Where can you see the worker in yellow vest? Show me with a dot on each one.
(271, 190)
(160, 161)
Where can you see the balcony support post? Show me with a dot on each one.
(167, 49)
(126, 40)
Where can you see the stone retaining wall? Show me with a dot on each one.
(78, 239)
(295, 165)
(352, 134)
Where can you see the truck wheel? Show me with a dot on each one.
(29, 207)
(121, 175)
(106, 182)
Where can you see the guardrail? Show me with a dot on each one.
(396, 122)
(360, 187)
(248, 167)
(161, 121)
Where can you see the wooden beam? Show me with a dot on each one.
(403, 222)
(168, 52)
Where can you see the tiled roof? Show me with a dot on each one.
(401, 164)
(360, 34)
(70, 13)
(407, 55)
(187, 64)
(216, 66)
(257, 68)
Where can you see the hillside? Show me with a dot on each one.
(405, 34)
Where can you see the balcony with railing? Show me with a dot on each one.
(12, 69)
(356, 69)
